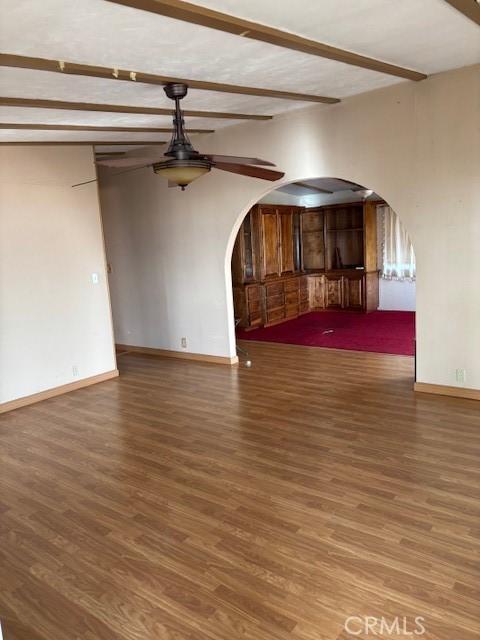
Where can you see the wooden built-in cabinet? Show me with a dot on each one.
(290, 260)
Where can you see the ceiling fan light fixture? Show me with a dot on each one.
(182, 172)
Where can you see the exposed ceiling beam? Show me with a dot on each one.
(115, 108)
(99, 154)
(75, 127)
(109, 73)
(196, 14)
(304, 185)
(95, 143)
(469, 8)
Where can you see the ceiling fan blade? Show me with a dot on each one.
(238, 159)
(80, 184)
(130, 161)
(252, 172)
(119, 173)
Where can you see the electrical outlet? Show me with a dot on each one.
(184, 343)
(461, 376)
(75, 371)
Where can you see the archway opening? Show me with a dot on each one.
(324, 262)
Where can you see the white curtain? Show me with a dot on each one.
(398, 254)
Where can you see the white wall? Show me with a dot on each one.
(52, 317)
(416, 144)
(396, 295)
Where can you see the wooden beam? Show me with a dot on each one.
(204, 17)
(75, 127)
(304, 185)
(116, 108)
(469, 8)
(109, 73)
(94, 143)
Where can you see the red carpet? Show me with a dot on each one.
(380, 331)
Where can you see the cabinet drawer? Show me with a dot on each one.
(254, 320)
(304, 296)
(304, 306)
(254, 307)
(292, 284)
(291, 310)
(275, 316)
(273, 289)
(291, 297)
(303, 283)
(273, 302)
(253, 293)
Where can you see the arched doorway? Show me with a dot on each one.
(321, 245)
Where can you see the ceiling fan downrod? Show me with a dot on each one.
(180, 146)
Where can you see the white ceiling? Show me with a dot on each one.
(97, 32)
(329, 184)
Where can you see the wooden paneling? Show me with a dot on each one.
(371, 291)
(281, 233)
(304, 301)
(286, 241)
(353, 292)
(313, 245)
(248, 305)
(192, 501)
(370, 235)
(334, 292)
(316, 290)
(203, 16)
(270, 242)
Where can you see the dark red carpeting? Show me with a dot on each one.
(379, 331)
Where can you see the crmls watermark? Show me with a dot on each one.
(398, 626)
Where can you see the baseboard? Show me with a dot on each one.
(444, 390)
(185, 355)
(57, 391)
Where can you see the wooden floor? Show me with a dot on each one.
(190, 501)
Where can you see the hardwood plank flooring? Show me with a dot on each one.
(191, 501)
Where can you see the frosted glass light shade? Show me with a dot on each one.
(182, 172)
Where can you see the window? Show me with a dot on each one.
(397, 248)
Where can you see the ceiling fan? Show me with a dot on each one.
(181, 164)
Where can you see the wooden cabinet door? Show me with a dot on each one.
(334, 292)
(269, 242)
(353, 292)
(286, 240)
(316, 286)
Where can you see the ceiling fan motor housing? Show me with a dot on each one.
(175, 90)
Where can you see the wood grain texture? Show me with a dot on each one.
(107, 73)
(188, 501)
(80, 127)
(36, 103)
(170, 353)
(11, 405)
(445, 390)
(469, 8)
(203, 16)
